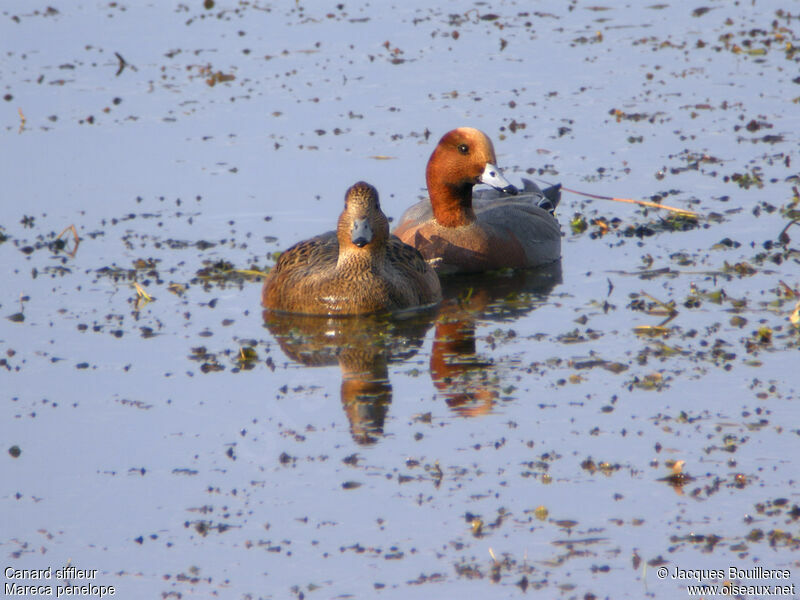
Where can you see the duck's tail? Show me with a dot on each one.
(548, 197)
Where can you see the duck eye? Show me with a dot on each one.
(463, 149)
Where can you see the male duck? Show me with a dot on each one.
(357, 269)
(459, 233)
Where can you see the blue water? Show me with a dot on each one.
(169, 479)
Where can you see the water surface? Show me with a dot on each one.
(522, 438)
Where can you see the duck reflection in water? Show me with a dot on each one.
(363, 349)
(470, 383)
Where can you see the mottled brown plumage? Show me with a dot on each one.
(457, 233)
(358, 269)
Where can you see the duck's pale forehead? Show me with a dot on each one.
(470, 134)
(472, 137)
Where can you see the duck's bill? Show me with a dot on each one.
(494, 177)
(361, 234)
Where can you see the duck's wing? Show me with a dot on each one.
(321, 251)
(413, 270)
(548, 198)
(530, 194)
(528, 217)
(404, 256)
(417, 214)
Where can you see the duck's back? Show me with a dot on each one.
(306, 280)
(293, 282)
(528, 216)
(509, 231)
(410, 271)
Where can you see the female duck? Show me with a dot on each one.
(358, 269)
(457, 233)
